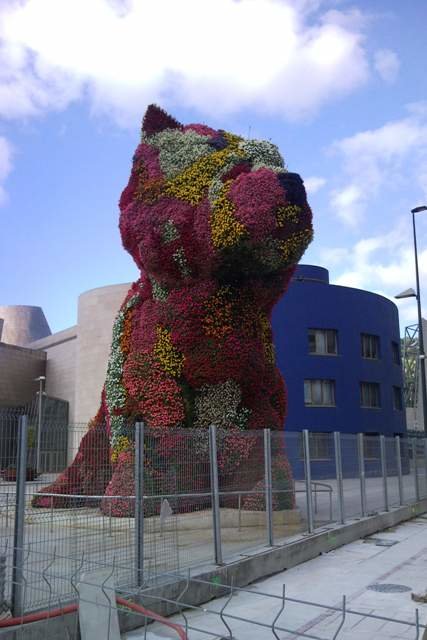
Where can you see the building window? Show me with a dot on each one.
(397, 399)
(395, 350)
(319, 393)
(321, 446)
(322, 342)
(370, 395)
(370, 346)
(371, 446)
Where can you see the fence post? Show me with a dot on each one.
(361, 455)
(3, 573)
(425, 467)
(399, 469)
(39, 424)
(18, 536)
(415, 458)
(139, 503)
(338, 470)
(268, 486)
(216, 516)
(307, 467)
(384, 470)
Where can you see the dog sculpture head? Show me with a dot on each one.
(205, 203)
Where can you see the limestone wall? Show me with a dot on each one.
(18, 368)
(97, 310)
(77, 357)
(61, 353)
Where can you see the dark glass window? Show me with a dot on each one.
(397, 399)
(371, 446)
(322, 342)
(321, 446)
(370, 395)
(370, 346)
(395, 350)
(319, 393)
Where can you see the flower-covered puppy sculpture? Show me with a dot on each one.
(216, 225)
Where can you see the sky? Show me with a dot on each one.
(339, 86)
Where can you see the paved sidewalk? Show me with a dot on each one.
(350, 570)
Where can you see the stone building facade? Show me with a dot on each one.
(19, 367)
(74, 361)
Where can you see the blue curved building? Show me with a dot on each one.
(338, 349)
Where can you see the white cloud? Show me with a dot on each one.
(392, 157)
(346, 203)
(422, 181)
(387, 64)
(314, 183)
(384, 264)
(332, 256)
(217, 56)
(5, 166)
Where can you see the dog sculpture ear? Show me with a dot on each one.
(156, 120)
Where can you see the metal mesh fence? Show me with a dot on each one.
(394, 486)
(241, 490)
(374, 484)
(420, 465)
(323, 477)
(73, 540)
(46, 452)
(201, 504)
(288, 485)
(234, 612)
(423, 467)
(351, 476)
(177, 482)
(46, 456)
(409, 475)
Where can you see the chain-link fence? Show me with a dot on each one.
(181, 498)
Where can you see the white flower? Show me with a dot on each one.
(262, 153)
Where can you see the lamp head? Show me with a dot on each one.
(419, 209)
(408, 293)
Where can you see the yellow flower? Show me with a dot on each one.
(123, 444)
(266, 338)
(192, 184)
(290, 213)
(226, 230)
(294, 246)
(171, 360)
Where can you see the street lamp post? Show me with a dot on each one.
(420, 322)
(410, 293)
(40, 380)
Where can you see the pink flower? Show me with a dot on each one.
(256, 196)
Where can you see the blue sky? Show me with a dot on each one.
(340, 86)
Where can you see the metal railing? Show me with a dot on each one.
(325, 488)
(195, 497)
(222, 617)
(269, 609)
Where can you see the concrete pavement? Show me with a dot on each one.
(354, 570)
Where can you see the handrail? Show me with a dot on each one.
(328, 489)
